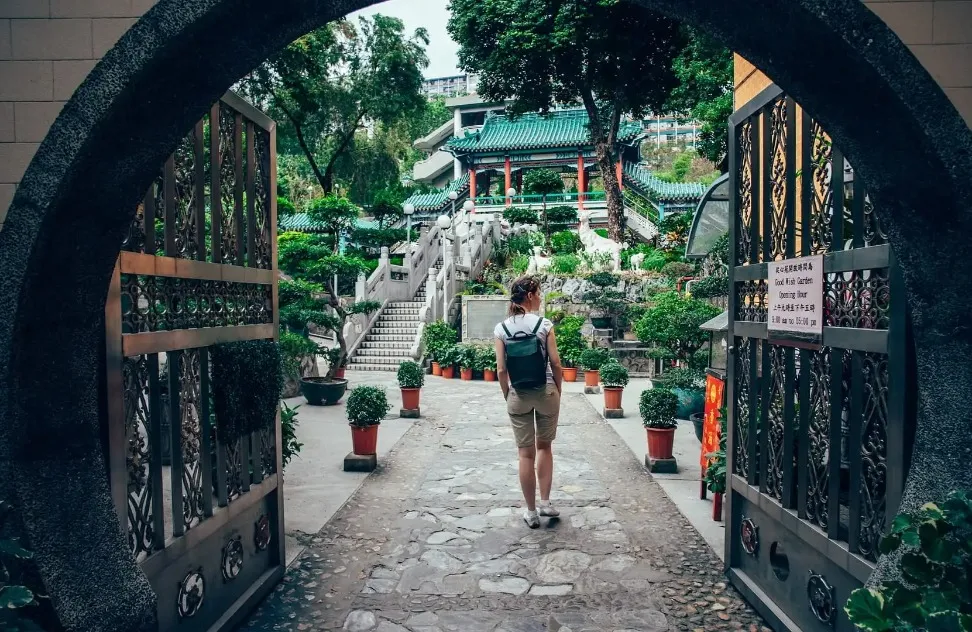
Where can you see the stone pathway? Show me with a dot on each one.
(434, 541)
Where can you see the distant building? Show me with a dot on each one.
(453, 86)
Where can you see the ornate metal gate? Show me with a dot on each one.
(819, 434)
(204, 515)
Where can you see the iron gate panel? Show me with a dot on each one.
(812, 431)
(198, 268)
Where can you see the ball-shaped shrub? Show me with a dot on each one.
(658, 408)
(614, 375)
(410, 375)
(367, 406)
(594, 359)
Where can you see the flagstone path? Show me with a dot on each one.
(434, 541)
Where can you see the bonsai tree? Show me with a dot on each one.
(614, 375)
(672, 325)
(438, 337)
(658, 407)
(410, 375)
(543, 182)
(605, 301)
(367, 406)
(595, 358)
(298, 357)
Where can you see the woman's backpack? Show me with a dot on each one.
(525, 360)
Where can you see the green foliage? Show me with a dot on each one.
(561, 216)
(654, 261)
(715, 471)
(485, 357)
(658, 407)
(720, 250)
(681, 166)
(602, 232)
(336, 213)
(410, 375)
(674, 230)
(367, 406)
(566, 242)
(437, 337)
(288, 431)
(481, 286)
(520, 245)
(614, 374)
(247, 380)
(711, 286)
(542, 182)
(386, 208)
(554, 297)
(676, 270)
(370, 241)
(673, 324)
(520, 264)
(603, 279)
(564, 264)
(451, 355)
(285, 207)
(364, 307)
(935, 573)
(685, 378)
(293, 349)
(468, 354)
(595, 358)
(20, 586)
(570, 342)
(627, 253)
(521, 215)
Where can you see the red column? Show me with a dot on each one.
(509, 180)
(581, 185)
(472, 183)
(620, 178)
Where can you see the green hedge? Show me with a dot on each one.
(246, 385)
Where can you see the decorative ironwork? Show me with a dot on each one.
(821, 597)
(744, 234)
(135, 239)
(189, 409)
(192, 593)
(234, 469)
(232, 562)
(262, 257)
(228, 169)
(744, 359)
(752, 301)
(186, 243)
(874, 450)
(777, 183)
(261, 535)
(858, 298)
(818, 448)
(749, 536)
(135, 376)
(168, 303)
(821, 202)
(873, 232)
(267, 451)
(777, 459)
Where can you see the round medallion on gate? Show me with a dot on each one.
(192, 592)
(749, 535)
(823, 602)
(261, 537)
(232, 558)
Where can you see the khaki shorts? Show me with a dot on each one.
(523, 405)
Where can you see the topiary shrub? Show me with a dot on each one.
(594, 359)
(246, 385)
(658, 408)
(710, 286)
(561, 216)
(521, 215)
(614, 375)
(564, 264)
(673, 324)
(677, 270)
(367, 406)
(565, 242)
(410, 375)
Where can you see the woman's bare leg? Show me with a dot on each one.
(528, 477)
(544, 460)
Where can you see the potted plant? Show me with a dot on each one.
(467, 361)
(487, 362)
(411, 378)
(658, 407)
(614, 377)
(592, 360)
(605, 303)
(715, 470)
(689, 386)
(437, 337)
(448, 359)
(367, 406)
(571, 344)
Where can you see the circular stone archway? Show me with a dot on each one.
(74, 205)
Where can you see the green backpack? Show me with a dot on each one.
(525, 359)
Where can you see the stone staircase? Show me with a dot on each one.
(389, 343)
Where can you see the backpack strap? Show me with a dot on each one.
(508, 334)
(537, 328)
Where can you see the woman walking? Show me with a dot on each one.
(531, 377)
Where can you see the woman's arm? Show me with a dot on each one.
(501, 373)
(556, 368)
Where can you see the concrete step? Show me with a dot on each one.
(401, 311)
(373, 367)
(382, 353)
(397, 331)
(390, 360)
(386, 344)
(380, 337)
(406, 305)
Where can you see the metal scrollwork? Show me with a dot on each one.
(234, 469)
(230, 181)
(189, 409)
(135, 378)
(818, 479)
(874, 451)
(777, 458)
(263, 255)
(185, 202)
(261, 535)
(192, 593)
(821, 203)
(778, 177)
(744, 359)
(232, 559)
(749, 536)
(860, 299)
(744, 237)
(267, 451)
(821, 598)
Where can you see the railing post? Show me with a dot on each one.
(359, 287)
(385, 267)
(408, 269)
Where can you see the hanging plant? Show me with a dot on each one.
(246, 384)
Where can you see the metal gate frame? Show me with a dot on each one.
(798, 540)
(198, 268)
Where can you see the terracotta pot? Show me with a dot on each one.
(612, 397)
(570, 374)
(436, 369)
(466, 374)
(448, 372)
(364, 440)
(339, 374)
(410, 398)
(489, 375)
(660, 441)
(717, 507)
(591, 378)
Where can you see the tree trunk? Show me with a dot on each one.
(546, 227)
(606, 162)
(335, 302)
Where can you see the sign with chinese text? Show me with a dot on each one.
(795, 300)
(714, 389)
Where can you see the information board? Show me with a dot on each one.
(480, 315)
(795, 300)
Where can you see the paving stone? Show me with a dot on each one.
(551, 591)
(441, 537)
(360, 621)
(562, 566)
(506, 585)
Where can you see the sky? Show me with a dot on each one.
(433, 15)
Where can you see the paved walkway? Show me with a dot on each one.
(433, 541)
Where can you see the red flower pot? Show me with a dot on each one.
(660, 441)
(612, 397)
(489, 375)
(466, 374)
(339, 374)
(410, 398)
(436, 369)
(591, 378)
(448, 372)
(570, 374)
(364, 440)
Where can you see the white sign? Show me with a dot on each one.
(795, 296)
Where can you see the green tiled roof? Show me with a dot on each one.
(562, 128)
(302, 223)
(430, 202)
(651, 185)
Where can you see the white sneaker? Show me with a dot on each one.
(548, 510)
(531, 518)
